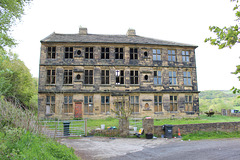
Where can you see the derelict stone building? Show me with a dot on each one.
(88, 75)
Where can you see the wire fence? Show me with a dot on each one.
(68, 128)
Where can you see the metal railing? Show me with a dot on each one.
(64, 128)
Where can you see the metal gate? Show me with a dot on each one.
(136, 122)
(64, 128)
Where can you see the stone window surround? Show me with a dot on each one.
(158, 103)
(51, 52)
(51, 77)
(50, 100)
(68, 104)
(88, 104)
(105, 104)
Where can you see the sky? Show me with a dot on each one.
(185, 21)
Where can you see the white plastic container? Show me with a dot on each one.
(102, 126)
(135, 129)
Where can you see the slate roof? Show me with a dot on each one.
(118, 39)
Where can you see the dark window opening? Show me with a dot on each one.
(146, 77)
(145, 54)
(68, 52)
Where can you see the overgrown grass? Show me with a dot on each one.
(21, 144)
(96, 123)
(210, 135)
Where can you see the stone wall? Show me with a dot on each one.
(190, 128)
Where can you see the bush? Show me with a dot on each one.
(21, 144)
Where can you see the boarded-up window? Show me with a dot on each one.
(157, 103)
(173, 103)
(134, 102)
(105, 104)
(88, 104)
(68, 105)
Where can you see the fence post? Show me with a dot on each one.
(85, 122)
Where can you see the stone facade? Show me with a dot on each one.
(85, 76)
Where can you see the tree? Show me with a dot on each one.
(10, 12)
(228, 37)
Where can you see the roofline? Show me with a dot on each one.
(179, 44)
(192, 46)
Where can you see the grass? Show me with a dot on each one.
(21, 144)
(201, 119)
(210, 135)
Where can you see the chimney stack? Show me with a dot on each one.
(82, 31)
(131, 32)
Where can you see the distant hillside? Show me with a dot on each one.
(217, 100)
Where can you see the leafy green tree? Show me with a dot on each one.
(10, 12)
(228, 37)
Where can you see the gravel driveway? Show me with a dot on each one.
(91, 148)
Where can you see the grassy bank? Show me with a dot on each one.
(21, 144)
(210, 135)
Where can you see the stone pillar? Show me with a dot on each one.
(148, 126)
(123, 127)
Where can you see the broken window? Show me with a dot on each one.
(51, 52)
(51, 76)
(172, 78)
(133, 53)
(119, 76)
(133, 77)
(67, 77)
(88, 77)
(157, 103)
(172, 55)
(185, 56)
(104, 76)
(157, 78)
(104, 53)
(118, 53)
(134, 102)
(156, 54)
(68, 52)
(50, 101)
(173, 103)
(88, 104)
(188, 103)
(68, 105)
(88, 52)
(187, 78)
(105, 104)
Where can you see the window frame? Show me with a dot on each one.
(156, 54)
(172, 57)
(187, 79)
(68, 76)
(105, 104)
(157, 77)
(68, 53)
(188, 103)
(134, 103)
(134, 79)
(172, 78)
(89, 53)
(87, 104)
(51, 52)
(158, 103)
(68, 105)
(173, 103)
(51, 103)
(51, 78)
(88, 78)
(185, 56)
(118, 54)
(105, 78)
(119, 77)
(133, 53)
(104, 53)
